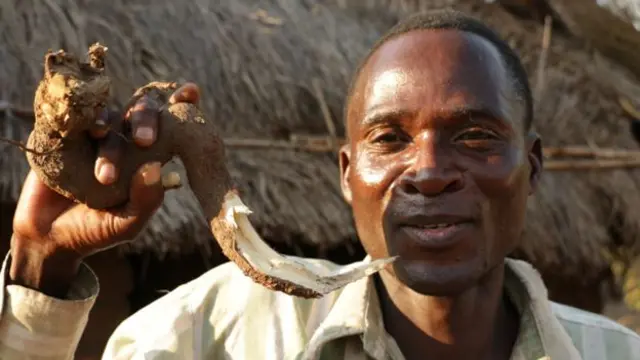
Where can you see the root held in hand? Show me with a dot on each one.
(67, 101)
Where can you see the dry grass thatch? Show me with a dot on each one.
(258, 61)
(620, 40)
(629, 10)
(13, 164)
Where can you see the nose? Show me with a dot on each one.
(432, 171)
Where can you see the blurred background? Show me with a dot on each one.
(274, 75)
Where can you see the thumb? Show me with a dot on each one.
(188, 92)
(145, 197)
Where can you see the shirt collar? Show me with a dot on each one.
(528, 292)
(356, 311)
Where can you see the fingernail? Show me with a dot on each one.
(151, 174)
(144, 133)
(101, 119)
(171, 180)
(107, 173)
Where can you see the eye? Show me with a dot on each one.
(387, 140)
(479, 140)
(477, 135)
(386, 137)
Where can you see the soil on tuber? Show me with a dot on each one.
(67, 102)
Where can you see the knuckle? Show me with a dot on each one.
(146, 105)
(112, 228)
(144, 117)
(27, 227)
(108, 153)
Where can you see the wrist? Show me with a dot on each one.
(41, 268)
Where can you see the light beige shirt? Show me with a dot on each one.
(224, 315)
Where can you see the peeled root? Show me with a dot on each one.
(314, 281)
(66, 104)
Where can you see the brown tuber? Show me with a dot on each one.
(67, 101)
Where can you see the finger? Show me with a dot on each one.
(109, 154)
(146, 188)
(189, 93)
(143, 117)
(38, 206)
(101, 127)
(145, 196)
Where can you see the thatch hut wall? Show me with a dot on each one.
(13, 167)
(273, 70)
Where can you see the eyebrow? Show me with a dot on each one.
(389, 116)
(475, 112)
(383, 116)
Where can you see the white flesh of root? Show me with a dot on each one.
(297, 271)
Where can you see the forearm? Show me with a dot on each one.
(46, 271)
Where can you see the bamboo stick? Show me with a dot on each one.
(542, 60)
(585, 151)
(22, 113)
(591, 164)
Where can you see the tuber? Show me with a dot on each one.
(67, 100)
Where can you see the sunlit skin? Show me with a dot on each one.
(438, 137)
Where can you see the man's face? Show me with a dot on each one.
(439, 167)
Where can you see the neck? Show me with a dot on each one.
(478, 323)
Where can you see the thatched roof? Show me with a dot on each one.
(272, 69)
(628, 10)
(620, 18)
(13, 164)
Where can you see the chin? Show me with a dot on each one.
(440, 279)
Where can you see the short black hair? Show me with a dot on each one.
(447, 19)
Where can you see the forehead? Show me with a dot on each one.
(434, 71)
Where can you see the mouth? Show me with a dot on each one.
(436, 226)
(437, 234)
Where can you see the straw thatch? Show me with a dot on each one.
(621, 39)
(13, 165)
(627, 10)
(273, 69)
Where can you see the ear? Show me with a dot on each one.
(534, 149)
(345, 171)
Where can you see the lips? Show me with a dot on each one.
(433, 220)
(435, 226)
(436, 232)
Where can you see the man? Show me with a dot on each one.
(438, 168)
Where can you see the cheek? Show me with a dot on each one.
(504, 182)
(500, 175)
(373, 176)
(372, 179)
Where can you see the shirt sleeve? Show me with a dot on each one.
(36, 326)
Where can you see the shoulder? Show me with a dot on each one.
(592, 332)
(593, 335)
(214, 305)
(574, 316)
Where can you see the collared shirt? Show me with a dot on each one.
(225, 315)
